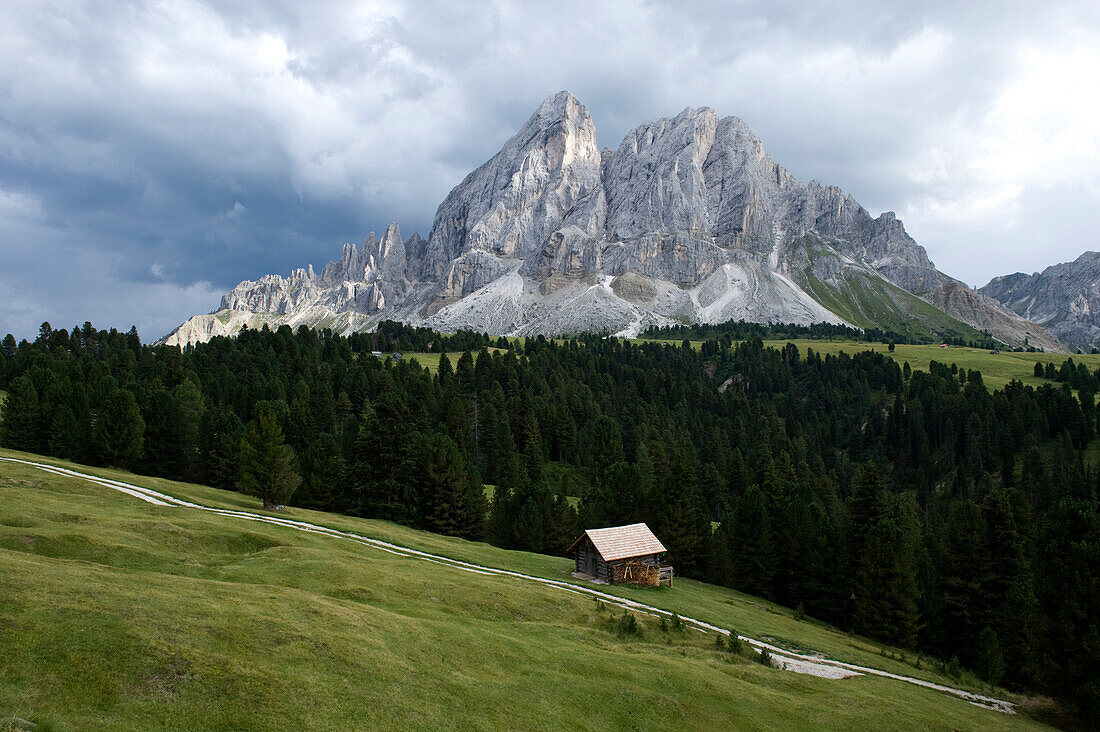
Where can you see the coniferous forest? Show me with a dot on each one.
(912, 506)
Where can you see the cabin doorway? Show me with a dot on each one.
(592, 563)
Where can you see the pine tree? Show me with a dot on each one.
(383, 463)
(21, 417)
(162, 454)
(507, 466)
(117, 434)
(446, 373)
(532, 447)
(323, 475)
(990, 660)
(268, 469)
(865, 506)
(453, 502)
(963, 579)
(751, 544)
(8, 347)
(1067, 585)
(190, 406)
(221, 447)
(1007, 592)
(886, 584)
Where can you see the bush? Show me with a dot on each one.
(677, 623)
(736, 645)
(628, 624)
(765, 658)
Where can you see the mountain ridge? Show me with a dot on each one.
(1064, 297)
(687, 220)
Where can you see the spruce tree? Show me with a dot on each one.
(221, 446)
(162, 455)
(267, 465)
(21, 412)
(963, 579)
(190, 406)
(887, 592)
(532, 447)
(323, 474)
(865, 506)
(751, 546)
(8, 347)
(990, 660)
(446, 372)
(117, 435)
(453, 502)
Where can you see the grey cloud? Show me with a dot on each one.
(131, 130)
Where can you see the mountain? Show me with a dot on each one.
(688, 220)
(1065, 298)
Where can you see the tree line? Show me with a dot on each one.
(916, 507)
(740, 330)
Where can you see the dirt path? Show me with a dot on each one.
(789, 660)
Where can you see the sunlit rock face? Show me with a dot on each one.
(687, 220)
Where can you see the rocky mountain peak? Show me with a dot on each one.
(1065, 298)
(687, 219)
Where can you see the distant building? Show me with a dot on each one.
(621, 554)
(396, 356)
(376, 354)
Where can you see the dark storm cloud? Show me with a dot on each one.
(154, 154)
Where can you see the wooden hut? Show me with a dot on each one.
(621, 554)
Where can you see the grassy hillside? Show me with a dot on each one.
(430, 361)
(997, 369)
(867, 301)
(118, 614)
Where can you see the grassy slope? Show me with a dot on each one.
(867, 301)
(997, 369)
(115, 613)
(430, 361)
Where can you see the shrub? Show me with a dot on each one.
(677, 623)
(628, 624)
(765, 658)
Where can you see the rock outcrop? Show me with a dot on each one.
(688, 220)
(1064, 298)
(985, 313)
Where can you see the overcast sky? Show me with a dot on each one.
(152, 155)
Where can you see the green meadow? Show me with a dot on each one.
(997, 368)
(123, 615)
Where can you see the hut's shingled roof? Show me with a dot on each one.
(622, 542)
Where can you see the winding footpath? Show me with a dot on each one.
(782, 658)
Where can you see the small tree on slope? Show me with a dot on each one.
(267, 465)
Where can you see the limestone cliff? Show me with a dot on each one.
(687, 220)
(1064, 298)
